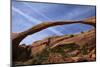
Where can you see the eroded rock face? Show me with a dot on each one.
(60, 49)
(60, 45)
(87, 38)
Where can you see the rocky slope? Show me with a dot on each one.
(56, 49)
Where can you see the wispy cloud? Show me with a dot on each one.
(79, 12)
(43, 15)
(34, 9)
(35, 20)
(25, 15)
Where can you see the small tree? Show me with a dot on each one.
(82, 32)
(71, 35)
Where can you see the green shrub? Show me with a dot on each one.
(82, 32)
(38, 59)
(71, 35)
(84, 50)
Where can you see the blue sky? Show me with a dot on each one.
(28, 14)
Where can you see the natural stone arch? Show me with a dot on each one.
(20, 36)
(45, 25)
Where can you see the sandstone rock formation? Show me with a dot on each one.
(82, 43)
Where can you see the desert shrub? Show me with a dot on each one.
(39, 58)
(60, 49)
(71, 46)
(23, 44)
(82, 32)
(84, 50)
(71, 35)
